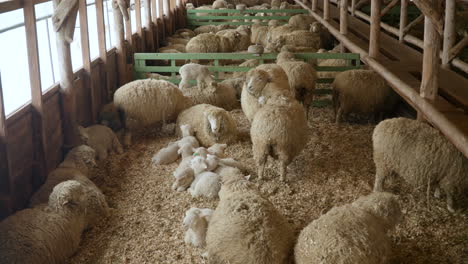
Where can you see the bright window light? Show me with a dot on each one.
(133, 16)
(92, 30)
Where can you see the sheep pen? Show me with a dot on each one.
(335, 168)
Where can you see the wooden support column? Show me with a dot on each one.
(353, 7)
(432, 12)
(105, 78)
(343, 22)
(449, 32)
(120, 42)
(149, 27)
(39, 132)
(430, 66)
(67, 91)
(314, 5)
(374, 41)
(154, 18)
(326, 10)
(87, 60)
(139, 25)
(5, 162)
(162, 25)
(403, 19)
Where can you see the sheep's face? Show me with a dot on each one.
(256, 81)
(198, 164)
(315, 27)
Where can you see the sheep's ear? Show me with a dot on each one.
(247, 177)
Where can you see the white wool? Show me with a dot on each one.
(206, 184)
(198, 164)
(166, 155)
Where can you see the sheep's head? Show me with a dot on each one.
(315, 27)
(183, 179)
(186, 130)
(217, 149)
(257, 80)
(383, 205)
(198, 164)
(215, 121)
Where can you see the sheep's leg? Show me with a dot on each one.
(450, 205)
(283, 170)
(260, 156)
(381, 173)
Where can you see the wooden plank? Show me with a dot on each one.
(374, 39)
(120, 44)
(432, 12)
(101, 28)
(86, 76)
(403, 19)
(61, 12)
(388, 7)
(8, 6)
(40, 156)
(138, 19)
(53, 128)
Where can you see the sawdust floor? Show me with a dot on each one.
(335, 168)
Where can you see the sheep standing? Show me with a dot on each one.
(196, 221)
(246, 228)
(240, 37)
(147, 102)
(361, 91)
(193, 71)
(301, 77)
(100, 138)
(422, 156)
(353, 233)
(211, 124)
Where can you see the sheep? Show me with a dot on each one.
(275, 4)
(209, 29)
(286, 5)
(100, 138)
(301, 77)
(46, 234)
(279, 129)
(194, 71)
(185, 150)
(259, 34)
(185, 33)
(239, 38)
(327, 40)
(201, 151)
(352, 233)
(301, 21)
(218, 4)
(234, 84)
(217, 150)
(241, 7)
(147, 102)
(178, 47)
(255, 49)
(110, 117)
(166, 155)
(245, 227)
(205, 184)
(196, 221)
(212, 162)
(422, 156)
(248, 63)
(187, 137)
(211, 124)
(361, 91)
(183, 179)
(209, 43)
(329, 63)
(297, 38)
(174, 40)
(76, 166)
(261, 83)
(217, 94)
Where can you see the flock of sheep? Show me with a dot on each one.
(245, 227)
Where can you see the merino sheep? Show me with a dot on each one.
(209, 43)
(301, 21)
(361, 91)
(301, 77)
(194, 71)
(166, 155)
(353, 233)
(422, 156)
(76, 166)
(196, 221)
(279, 129)
(102, 139)
(147, 102)
(211, 124)
(297, 38)
(259, 35)
(239, 38)
(217, 94)
(235, 84)
(246, 228)
(209, 29)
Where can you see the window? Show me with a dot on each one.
(143, 13)
(133, 16)
(14, 61)
(92, 29)
(75, 47)
(109, 24)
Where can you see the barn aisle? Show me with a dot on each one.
(336, 167)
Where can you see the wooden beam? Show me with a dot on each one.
(361, 4)
(449, 32)
(432, 12)
(374, 41)
(418, 20)
(149, 28)
(67, 90)
(458, 48)
(39, 133)
(353, 7)
(326, 10)
(314, 5)
(101, 28)
(343, 21)
(403, 19)
(430, 65)
(62, 12)
(8, 6)
(120, 44)
(388, 7)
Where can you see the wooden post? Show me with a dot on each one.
(67, 90)
(162, 26)
(5, 163)
(120, 43)
(403, 19)
(432, 12)
(101, 28)
(149, 28)
(326, 10)
(374, 41)
(343, 22)
(87, 59)
(314, 5)
(388, 7)
(449, 32)
(39, 135)
(154, 27)
(430, 66)
(139, 25)
(353, 7)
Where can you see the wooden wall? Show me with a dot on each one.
(22, 164)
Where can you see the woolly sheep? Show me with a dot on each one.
(147, 102)
(327, 63)
(234, 84)
(230, 162)
(110, 117)
(297, 38)
(187, 137)
(216, 94)
(275, 4)
(241, 7)
(201, 151)
(255, 49)
(100, 138)
(239, 38)
(245, 227)
(217, 4)
(205, 184)
(211, 162)
(279, 129)
(209, 29)
(183, 179)
(185, 32)
(217, 150)
(301, 21)
(352, 233)
(422, 156)
(176, 40)
(196, 221)
(198, 164)
(211, 124)
(209, 43)
(301, 77)
(178, 47)
(248, 63)
(259, 35)
(185, 150)
(361, 91)
(76, 166)
(194, 71)
(262, 83)
(166, 155)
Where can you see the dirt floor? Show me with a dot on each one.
(335, 168)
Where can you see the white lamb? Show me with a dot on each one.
(196, 221)
(194, 71)
(166, 155)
